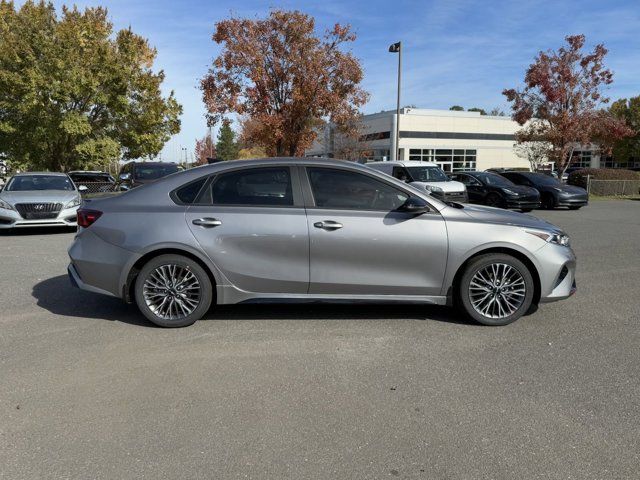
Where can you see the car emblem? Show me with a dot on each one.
(39, 207)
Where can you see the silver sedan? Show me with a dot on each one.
(309, 230)
(39, 199)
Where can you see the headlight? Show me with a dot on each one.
(433, 189)
(6, 205)
(558, 189)
(73, 203)
(510, 192)
(552, 237)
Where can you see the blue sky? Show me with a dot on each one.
(455, 51)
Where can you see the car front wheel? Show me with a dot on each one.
(496, 289)
(173, 291)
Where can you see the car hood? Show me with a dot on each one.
(572, 190)
(447, 187)
(39, 196)
(506, 217)
(522, 189)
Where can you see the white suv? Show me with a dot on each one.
(425, 175)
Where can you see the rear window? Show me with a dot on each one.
(189, 193)
(153, 172)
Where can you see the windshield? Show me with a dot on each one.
(153, 172)
(542, 179)
(495, 180)
(427, 174)
(25, 183)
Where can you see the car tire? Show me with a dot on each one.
(494, 200)
(184, 303)
(488, 302)
(548, 201)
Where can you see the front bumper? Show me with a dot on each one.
(10, 219)
(557, 272)
(580, 201)
(526, 204)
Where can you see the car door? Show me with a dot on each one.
(475, 189)
(251, 222)
(360, 244)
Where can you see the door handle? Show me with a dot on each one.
(207, 222)
(328, 225)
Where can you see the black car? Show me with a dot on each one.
(93, 181)
(491, 189)
(134, 174)
(553, 193)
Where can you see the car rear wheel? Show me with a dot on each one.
(173, 291)
(496, 289)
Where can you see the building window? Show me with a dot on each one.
(581, 158)
(450, 160)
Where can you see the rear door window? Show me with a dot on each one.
(261, 186)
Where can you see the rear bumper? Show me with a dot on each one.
(10, 219)
(96, 265)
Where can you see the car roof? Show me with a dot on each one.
(405, 163)
(88, 172)
(54, 174)
(150, 163)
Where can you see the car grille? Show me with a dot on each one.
(38, 211)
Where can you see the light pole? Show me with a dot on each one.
(397, 48)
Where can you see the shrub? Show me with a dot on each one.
(579, 177)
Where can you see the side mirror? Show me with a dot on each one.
(414, 205)
(124, 176)
(83, 188)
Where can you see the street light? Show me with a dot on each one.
(397, 48)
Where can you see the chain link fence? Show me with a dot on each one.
(96, 187)
(607, 188)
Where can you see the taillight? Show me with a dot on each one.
(86, 217)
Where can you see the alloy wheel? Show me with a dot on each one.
(172, 291)
(497, 290)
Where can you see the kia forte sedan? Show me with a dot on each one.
(41, 199)
(310, 230)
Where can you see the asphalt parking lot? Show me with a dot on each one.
(91, 390)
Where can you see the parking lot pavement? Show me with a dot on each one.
(91, 390)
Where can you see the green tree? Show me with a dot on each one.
(227, 147)
(457, 108)
(629, 111)
(73, 95)
(476, 109)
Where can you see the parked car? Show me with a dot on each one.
(510, 169)
(309, 230)
(553, 193)
(134, 174)
(426, 175)
(94, 181)
(487, 188)
(39, 199)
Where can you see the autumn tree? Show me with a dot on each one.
(280, 73)
(73, 94)
(629, 111)
(227, 147)
(205, 148)
(563, 98)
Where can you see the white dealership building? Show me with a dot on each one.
(455, 140)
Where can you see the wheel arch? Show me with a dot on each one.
(133, 270)
(498, 249)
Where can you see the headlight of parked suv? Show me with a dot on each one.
(6, 205)
(73, 203)
(552, 237)
(433, 189)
